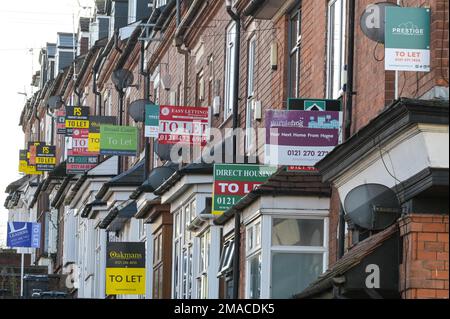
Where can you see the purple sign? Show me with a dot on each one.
(300, 138)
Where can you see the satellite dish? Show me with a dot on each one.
(373, 20)
(137, 109)
(159, 175)
(372, 206)
(122, 78)
(163, 151)
(55, 102)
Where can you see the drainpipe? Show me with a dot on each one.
(182, 26)
(350, 61)
(348, 109)
(145, 74)
(98, 100)
(237, 216)
(116, 41)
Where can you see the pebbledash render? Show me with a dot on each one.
(292, 239)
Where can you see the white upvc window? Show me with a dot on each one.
(183, 250)
(295, 38)
(249, 130)
(204, 258)
(336, 48)
(284, 254)
(230, 62)
(253, 260)
(298, 253)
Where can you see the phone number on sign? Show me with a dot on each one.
(306, 153)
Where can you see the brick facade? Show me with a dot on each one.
(425, 251)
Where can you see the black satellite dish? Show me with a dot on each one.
(55, 102)
(373, 19)
(137, 110)
(163, 151)
(122, 78)
(372, 206)
(159, 175)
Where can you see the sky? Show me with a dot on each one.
(25, 27)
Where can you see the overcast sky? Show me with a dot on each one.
(25, 27)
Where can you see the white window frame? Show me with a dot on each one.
(332, 91)
(185, 240)
(203, 264)
(267, 249)
(294, 52)
(254, 251)
(230, 63)
(251, 66)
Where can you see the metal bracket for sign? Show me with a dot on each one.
(147, 27)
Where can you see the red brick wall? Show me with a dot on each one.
(375, 87)
(424, 272)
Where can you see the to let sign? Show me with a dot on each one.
(300, 138)
(183, 124)
(25, 235)
(407, 39)
(94, 131)
(76, 117)
(118, 140)
(234, 181)
(45, 157)
(125, 268)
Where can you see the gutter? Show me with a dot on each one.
(131, 43)
(182, 27)
(165, 13)
(251, 8)
(56, 202)
(96, 68)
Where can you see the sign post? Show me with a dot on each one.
(23, 235)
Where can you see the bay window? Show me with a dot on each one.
(284, 254)
(202, 277)
(253, 252)
(297, 254)
(183, 265)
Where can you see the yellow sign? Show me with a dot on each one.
(77, 124)
(94, 142)
(125, 281)
(28, 169)
(46, 160)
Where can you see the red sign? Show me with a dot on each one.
(302, 169)
(61, 122)
(80, 139)
(183, 124)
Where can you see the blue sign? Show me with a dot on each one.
(21, 234)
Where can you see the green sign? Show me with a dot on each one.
(151, 120)
(407, 39)
(118, 140)
(314, 105)
(234, 181)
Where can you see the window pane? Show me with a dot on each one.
(292, 273)
(255, 277)
(297, 232)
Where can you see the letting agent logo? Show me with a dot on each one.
(408, 29)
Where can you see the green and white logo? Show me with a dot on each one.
(407, 39)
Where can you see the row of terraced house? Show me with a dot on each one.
(289, 238)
